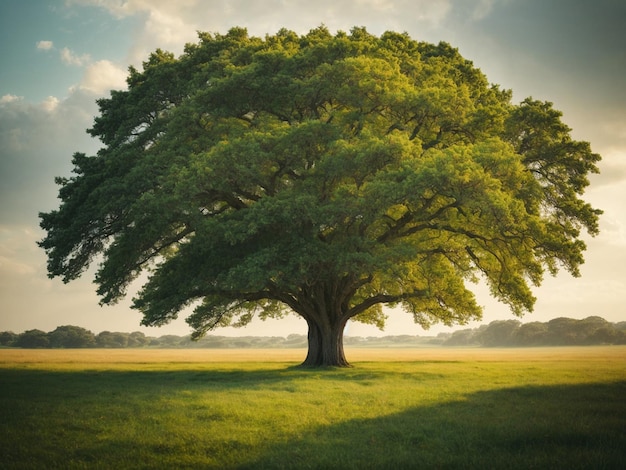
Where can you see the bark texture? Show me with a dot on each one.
(326, 344)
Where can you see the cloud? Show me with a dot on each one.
(168, 28)
(103, 76)
(37, 141)
(10, 99)
(45, 45)
(50, 103)
(70, 58)
(169, 25)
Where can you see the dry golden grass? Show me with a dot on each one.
(354, 355)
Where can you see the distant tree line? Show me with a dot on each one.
(557, 332)
(501, 333)
(69, 336)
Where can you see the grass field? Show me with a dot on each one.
(413, 408)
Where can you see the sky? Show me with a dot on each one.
(58, 57)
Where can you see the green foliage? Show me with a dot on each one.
(551, 413)
(71, 337)
(326, 175)
(116, 339)
(556, 332)
(32, 339)
(7, 338)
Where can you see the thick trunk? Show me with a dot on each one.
(326, 344)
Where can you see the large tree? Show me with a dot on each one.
(327, 175)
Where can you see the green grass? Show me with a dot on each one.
(548, 413)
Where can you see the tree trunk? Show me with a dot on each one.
(326, 344)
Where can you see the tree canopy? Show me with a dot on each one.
(327, 175)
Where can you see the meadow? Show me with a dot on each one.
(255, 409)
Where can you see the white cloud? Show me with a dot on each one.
(169, 25)
(10, 99)
(103, 76)
(50, 103)
(70, 58)
(45, 45)
(168, 28)
(36, 144)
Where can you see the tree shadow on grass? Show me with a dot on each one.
(566, 426)
(42, 381)
(542, 427)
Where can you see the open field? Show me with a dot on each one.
(418, 408)
(354, 355)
